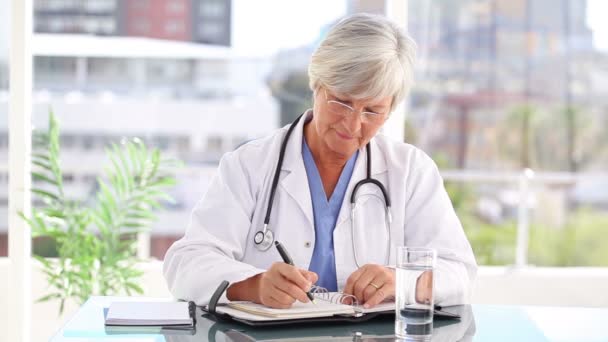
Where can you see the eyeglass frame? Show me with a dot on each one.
(353, 110)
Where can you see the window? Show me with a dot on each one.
(107, 26)
(176, 6)
(182, 144)
(212, 8)
(141, 26)
(214, 144)
(67, 141)
(211, 29)
(100, 5)
(107, 70)
(57, 25)
(139, 4)
(163, 72)
(502, 104)
(174, 26)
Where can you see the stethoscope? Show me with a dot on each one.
(264, 238)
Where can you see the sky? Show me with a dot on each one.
(261, 31)
(266, 26)
(597, 21)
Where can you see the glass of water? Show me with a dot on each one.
(414, 293)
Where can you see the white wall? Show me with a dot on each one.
(495, 285)
(547, 286)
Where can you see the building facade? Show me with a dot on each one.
(201, 21)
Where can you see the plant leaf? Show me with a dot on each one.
(46, 194)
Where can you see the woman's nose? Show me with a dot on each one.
(353, 122)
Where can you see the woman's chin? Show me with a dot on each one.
(342, 150)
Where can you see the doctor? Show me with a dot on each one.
(359, 73)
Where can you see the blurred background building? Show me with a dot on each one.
(201, 21)
(480, 56)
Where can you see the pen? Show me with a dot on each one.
(287, 259)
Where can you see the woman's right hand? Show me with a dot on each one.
(283, 284)
(279, 287)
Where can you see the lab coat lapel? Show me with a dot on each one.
(295, 183)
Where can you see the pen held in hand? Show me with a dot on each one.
(287, 259)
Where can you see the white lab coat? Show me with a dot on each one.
(218, 243)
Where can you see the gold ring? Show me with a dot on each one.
(374, 285)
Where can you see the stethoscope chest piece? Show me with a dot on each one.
(263, 239)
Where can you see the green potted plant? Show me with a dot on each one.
(96, 242)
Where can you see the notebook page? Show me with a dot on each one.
(238, 313)
(339, 297)
(298, 310)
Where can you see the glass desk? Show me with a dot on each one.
(478, 323)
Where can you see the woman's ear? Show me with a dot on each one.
(315, 92)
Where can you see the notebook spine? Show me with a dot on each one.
(333, 297)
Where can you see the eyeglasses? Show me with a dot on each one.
(342, 109)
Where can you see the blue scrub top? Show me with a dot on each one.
(325, 213)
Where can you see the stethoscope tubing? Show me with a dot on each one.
(264, 239)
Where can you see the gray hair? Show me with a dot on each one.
(364, 56)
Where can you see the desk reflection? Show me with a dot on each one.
(379, 329)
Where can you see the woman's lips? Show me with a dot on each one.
(343, 136)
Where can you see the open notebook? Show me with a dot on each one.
(327, 304)
(328, 307)
(304, 310)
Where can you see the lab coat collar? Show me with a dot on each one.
(296, 182)
(293, 153)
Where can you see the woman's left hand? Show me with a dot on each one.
(371, 284)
